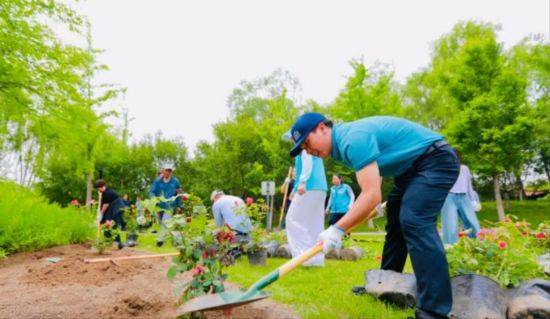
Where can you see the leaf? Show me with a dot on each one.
(172, 272)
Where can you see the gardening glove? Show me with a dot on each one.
(331, 238)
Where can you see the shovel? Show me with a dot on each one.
(228, 299)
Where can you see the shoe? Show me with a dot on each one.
(120, 245)
(130, 243)
(359, 290)
(160, 243)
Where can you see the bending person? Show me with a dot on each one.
(230, 211)
(424, 168)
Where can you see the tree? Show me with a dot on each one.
(367, 93)
(492, 126)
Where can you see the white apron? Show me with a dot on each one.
(304, 222)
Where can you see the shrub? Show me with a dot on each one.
(506, 253)
(28, 222)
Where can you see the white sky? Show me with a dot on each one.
(180, 60)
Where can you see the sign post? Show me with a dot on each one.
(268, 190)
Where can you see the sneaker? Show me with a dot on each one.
(120, 245)
(359, 290)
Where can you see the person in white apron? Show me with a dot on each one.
(305, 218)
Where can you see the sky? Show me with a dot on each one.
(180, 60)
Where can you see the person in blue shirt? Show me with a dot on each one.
(424, 168)
(340, 200)
(230, 211)
(305, 218)
(166, 186)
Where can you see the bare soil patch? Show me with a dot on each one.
(32, 287)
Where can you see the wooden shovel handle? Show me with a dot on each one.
(285, 196)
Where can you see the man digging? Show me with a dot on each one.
(424, 168)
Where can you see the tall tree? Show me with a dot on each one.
(492, 125)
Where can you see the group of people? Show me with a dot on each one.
(227, 209)
(428, 179)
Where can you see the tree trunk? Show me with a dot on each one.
(89, 187)
(498, 198)
(519, 185)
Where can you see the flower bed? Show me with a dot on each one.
(506, 252)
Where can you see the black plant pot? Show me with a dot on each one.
(258, 257)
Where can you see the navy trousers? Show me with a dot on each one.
(412, 208)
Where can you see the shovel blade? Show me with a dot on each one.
(220, 301)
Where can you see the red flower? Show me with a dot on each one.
(461, 234)
(249, 201)
(183, 197)
(199, 270)
(212, 250)
(501, 244)
(74, 202)
(378, 258)
(507, 219)
(540, 235)
(226, 236)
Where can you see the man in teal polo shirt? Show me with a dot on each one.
(424, 168)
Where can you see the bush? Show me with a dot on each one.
(28, 222)
(506, 253)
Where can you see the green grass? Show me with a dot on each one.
(324, 292)
(533, 211)
(314, 292)
(28, 222)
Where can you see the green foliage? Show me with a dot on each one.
(367, 93)
(506, 253)
(203, 250)
(248, 147)
(29, 223)
(107, 236)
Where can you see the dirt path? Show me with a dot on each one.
(32, 287)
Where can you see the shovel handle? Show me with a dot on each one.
(111, 259)
(283, 270)
(291, 265)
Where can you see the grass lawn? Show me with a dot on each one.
(533, 211)
(326, 292)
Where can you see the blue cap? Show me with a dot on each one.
(304, 124)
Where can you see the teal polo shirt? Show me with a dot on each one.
(392, 142)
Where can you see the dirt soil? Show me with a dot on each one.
(32, 287)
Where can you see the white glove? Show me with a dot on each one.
(331, 238)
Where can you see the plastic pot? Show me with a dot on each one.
(258, 257)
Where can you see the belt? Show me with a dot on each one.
(435, 146)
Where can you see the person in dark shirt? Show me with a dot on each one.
(290, 184)
(111, 209)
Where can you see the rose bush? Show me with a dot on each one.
(506, 253)
(203, 248)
